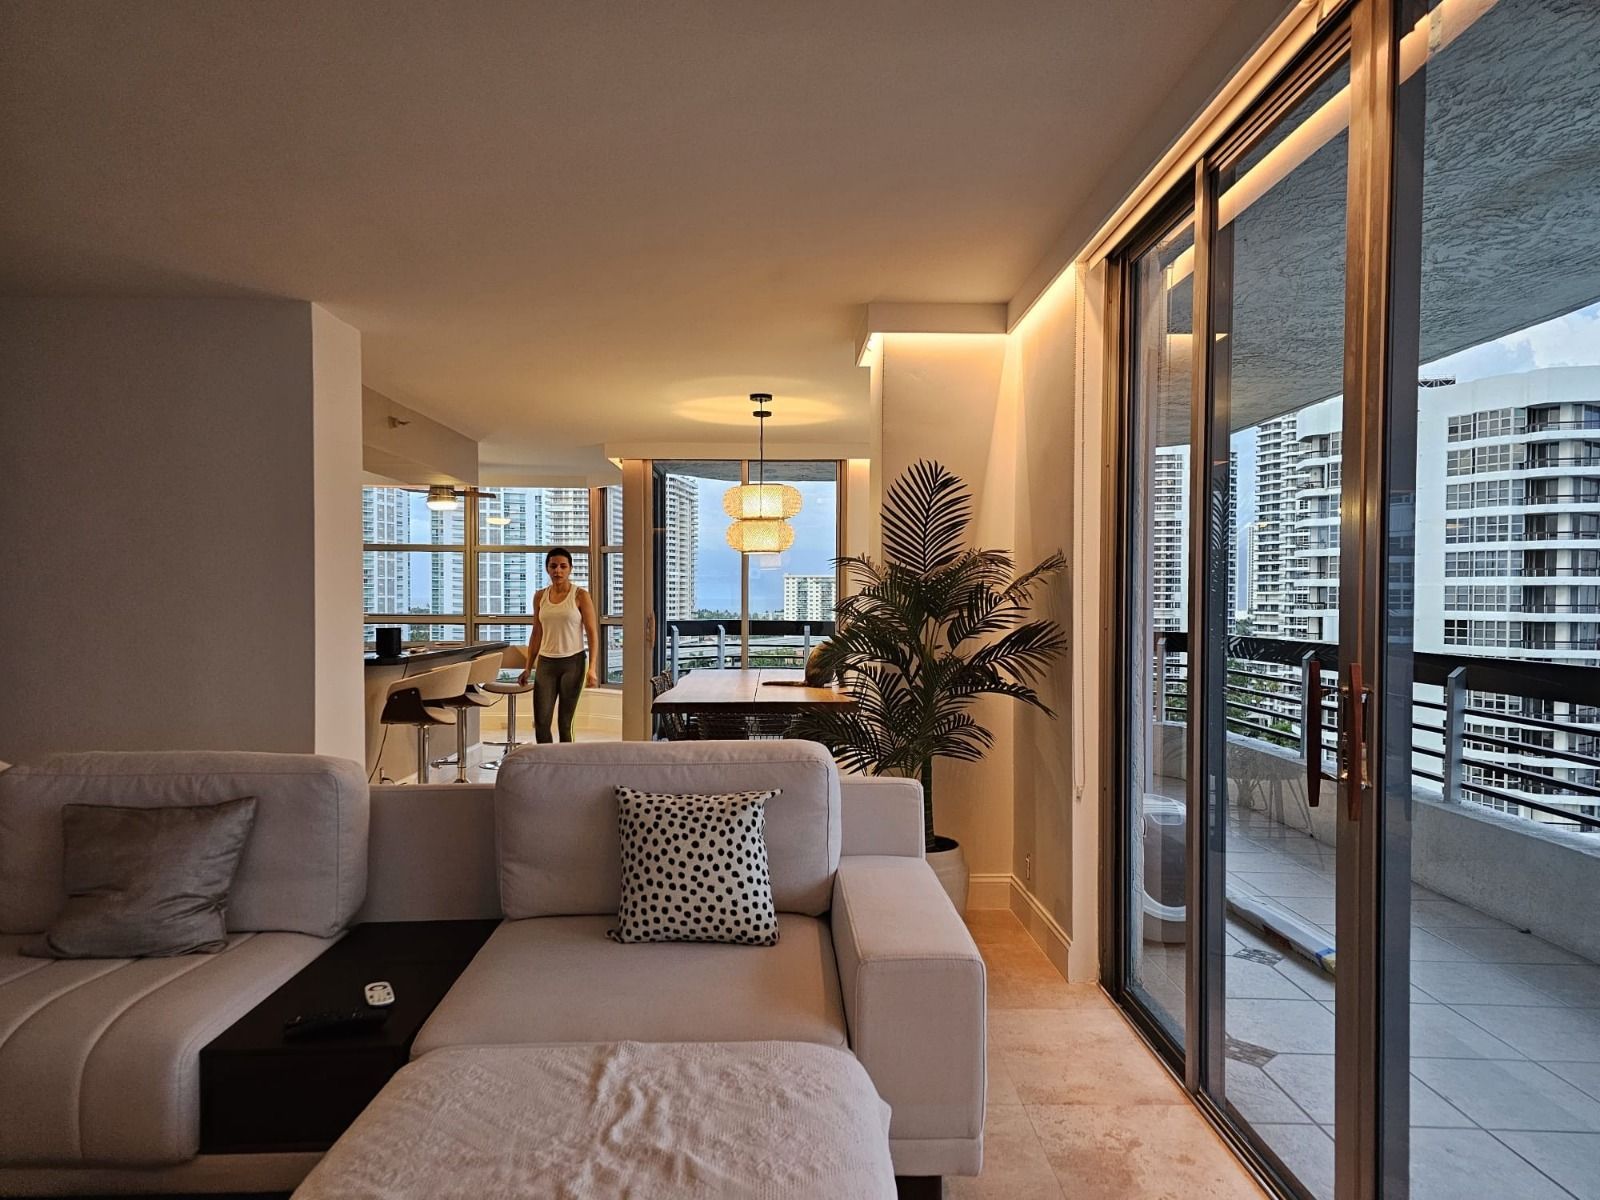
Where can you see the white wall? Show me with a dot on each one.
(179, 477)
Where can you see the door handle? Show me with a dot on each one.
(1312, 734)
(1354, 773)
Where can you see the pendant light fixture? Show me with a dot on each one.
(442, 497)
(761, 510)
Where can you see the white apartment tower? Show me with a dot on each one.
(1272, 536)
(1169, 539)
(682, 543)
(809, 597)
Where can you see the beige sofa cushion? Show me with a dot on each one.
(304, 868)
(556, 817)
(100, 1058)
(558, 979)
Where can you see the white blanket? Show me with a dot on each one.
(627, 1119)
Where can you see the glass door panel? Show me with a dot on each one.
(1493, 610)
(1157, 618)
(1277, 325)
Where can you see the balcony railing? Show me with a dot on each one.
(714, 644)
(1265, 698)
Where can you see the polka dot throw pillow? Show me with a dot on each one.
(694, 869)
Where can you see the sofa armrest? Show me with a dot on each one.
(914, 996)
(881, 815)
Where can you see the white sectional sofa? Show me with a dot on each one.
(99, 1058)
(871, 957)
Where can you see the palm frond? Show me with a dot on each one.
(924, 517)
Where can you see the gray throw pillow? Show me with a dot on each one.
(147, 882)
(694, 869)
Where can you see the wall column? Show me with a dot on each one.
(181, 523)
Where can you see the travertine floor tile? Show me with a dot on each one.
(1150, 1151)
(1057, 1049)
(1014, 1164)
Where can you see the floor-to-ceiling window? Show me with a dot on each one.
(1385, 980)
(717, 607)
(422, 572)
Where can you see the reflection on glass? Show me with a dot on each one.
(1278, 319)
(1158, 570)
(1504, 570)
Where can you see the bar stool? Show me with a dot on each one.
(416, 701)
(480, 670)
(513, 658)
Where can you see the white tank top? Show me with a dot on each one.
(562, 624)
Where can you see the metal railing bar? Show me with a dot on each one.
(1576, 818)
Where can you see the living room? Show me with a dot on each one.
(331, 327)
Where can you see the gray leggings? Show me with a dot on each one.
(555, 678)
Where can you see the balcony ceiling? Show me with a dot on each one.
(559, 225)
(1510, 216)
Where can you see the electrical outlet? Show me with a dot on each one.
(1027, 868)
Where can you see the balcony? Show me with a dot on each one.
(1504, 914)
(714, 644)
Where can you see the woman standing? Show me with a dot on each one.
(562, 614)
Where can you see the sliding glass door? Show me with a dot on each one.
(1356, 884)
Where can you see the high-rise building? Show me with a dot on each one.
(1271, 613)
(1230, 523)
(1169, 539)
(682, 543)
(1504, 561)
(385, 582)
(809, 597)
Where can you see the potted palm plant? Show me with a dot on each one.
(923, 634)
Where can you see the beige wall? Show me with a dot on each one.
(949, 397)
(166, 511)
(1004, 412)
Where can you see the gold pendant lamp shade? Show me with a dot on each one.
(761, 501)
(761, 510)
(761, 535)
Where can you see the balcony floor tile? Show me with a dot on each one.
(1584, 1076)
(1287, 1026)
(1507, 945)
(1510, 1095)
(1441, 1032)
(1558, 1035)
(1571, 1159)
(1450, 1164)
(1457, 983)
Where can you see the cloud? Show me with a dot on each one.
(1572, 340)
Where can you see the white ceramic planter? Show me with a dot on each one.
(951, 867)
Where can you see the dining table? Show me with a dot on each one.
(749, 693)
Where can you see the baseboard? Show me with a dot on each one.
(1041, 926)
(989, 891)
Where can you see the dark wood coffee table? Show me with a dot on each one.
(259, 1092)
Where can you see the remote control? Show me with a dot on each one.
(334, 1023)
(380, 994)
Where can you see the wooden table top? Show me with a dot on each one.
(747, 691)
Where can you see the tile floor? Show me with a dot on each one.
(1505, 1036)
(1079, 1109)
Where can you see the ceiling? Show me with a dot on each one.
(558, 225)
